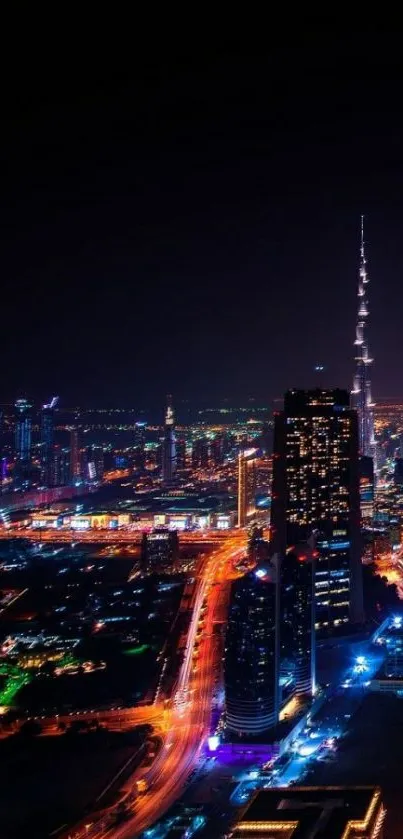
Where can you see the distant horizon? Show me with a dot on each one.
(203, 405)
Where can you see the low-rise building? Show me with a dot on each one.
(313, 813)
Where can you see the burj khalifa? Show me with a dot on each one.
(361, 393)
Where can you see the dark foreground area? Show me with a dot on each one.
(46, 782)
(371, 754)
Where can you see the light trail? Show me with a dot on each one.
(13, 600)
(190, 715)
(125, 536)
(113, 718)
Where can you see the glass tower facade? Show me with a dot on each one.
(297, 617)
(23, 430)
(23, 442)
(48, 475)
(247, 477)
(252, 654)
(316, 495)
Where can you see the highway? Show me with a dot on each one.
(124, 536)
(112, 718)
(190, 714)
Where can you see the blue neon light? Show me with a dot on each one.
(339, 546)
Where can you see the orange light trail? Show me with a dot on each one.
(188, 718)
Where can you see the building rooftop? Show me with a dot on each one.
(312, 813)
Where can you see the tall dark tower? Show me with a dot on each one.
(169, 448)
(247, 476)
(297, 616)
(75, 465)
(316, 493)
(361, 393)
(48, 474)
(23, 442)
(252, 654)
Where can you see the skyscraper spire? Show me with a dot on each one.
(362, 398)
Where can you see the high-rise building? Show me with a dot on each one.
(270, 640)
(95, 463)
(48, 476)
(297, 617)
(361, 393)
(139, 455)
(181, 453)
(23, 442)
(169, 451)
(251, 669)
(61, 465)
(217, 450)
(313, 813)
(159, 551)
(315, 492)
(23, 430)
(75, 464)
(200, 453)
(367, 489)
(247, 476)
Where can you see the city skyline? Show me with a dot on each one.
(201, 596)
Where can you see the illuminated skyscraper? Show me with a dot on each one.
(252, 654)
(23, 442)
(169, 451)
(270, 635)
(361, 393)
(139, 456)
(48, 476)
(61, 465)
(23, 430)
(316, 493)
(75, 465)
(247, 467)
(367, 490)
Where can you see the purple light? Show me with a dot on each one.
(213, 743)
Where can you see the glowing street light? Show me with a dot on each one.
(361, 665)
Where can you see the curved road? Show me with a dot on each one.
(191, 712)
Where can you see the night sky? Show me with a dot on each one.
(190, 222)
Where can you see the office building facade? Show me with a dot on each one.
(48, 475)
(315, 493)
(297, 617)
(251, 669)
(159, 551)
(23, 443)
(247, 483)
(75, 460)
